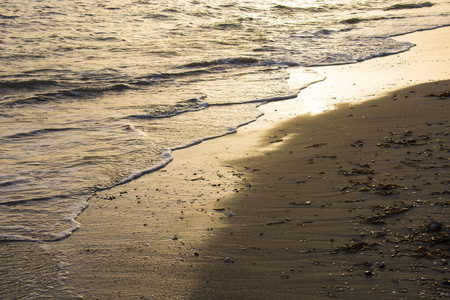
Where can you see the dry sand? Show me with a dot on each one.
(347, 204)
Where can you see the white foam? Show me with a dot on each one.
(167, 158)
(7, 237)
(162, 116)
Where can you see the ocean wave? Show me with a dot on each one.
(16, 238)
(171, 10)
(157, 16)
(153, 78)
(31, 84)
(14, 182)
(226, 25)
(5, 17)
(289, 9)
(409, 6)
(260, 101)
(225, 61)
(352, 21)
(77, 93)
(167, 156)
(167, 111)
(22, 201)
(41, 71)
(27, 234)
(166, 159)
(39, 132)
(160, 115)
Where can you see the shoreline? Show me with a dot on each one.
(162, 236)
(156, 228)
(359, 82)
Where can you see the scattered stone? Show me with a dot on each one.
(275, 223)
(352, 248)
(441, 96)
(276, 141)
(316, 145)
(358, 143)
(300, 203)
(228, 260)
(434, 226)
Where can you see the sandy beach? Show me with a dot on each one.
(348, 203)
(352, 204)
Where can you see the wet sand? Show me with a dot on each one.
(350, 203)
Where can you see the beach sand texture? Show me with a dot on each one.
(349, 203)
(352, 204)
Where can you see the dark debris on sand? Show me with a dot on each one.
(412, 221)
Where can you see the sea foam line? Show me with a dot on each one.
(167, 153)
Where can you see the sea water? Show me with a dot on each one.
(96, 93)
